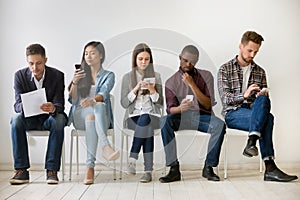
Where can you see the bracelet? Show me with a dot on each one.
(74, 83)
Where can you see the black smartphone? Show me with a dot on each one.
(77, 66)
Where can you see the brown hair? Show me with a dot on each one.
(34, 49)
(251, 36)
(149, 71)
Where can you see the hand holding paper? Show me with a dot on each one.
(32, 102)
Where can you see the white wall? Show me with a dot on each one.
(64, 27)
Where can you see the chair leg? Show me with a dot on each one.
(121, 161)
(127, 151)
(63, 162)
(114, 162)
(260, 165)
(225, 158)
(71, 155)
(77, 156)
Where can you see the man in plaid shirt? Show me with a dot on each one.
(243, 90)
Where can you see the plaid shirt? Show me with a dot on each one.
(230, 80)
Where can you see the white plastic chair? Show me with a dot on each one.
(39, 133)
(76, 133)
(234, 132)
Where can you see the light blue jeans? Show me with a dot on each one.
(95, 130)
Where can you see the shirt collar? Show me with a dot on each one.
(42, 79)
(100, 72)
(236, 62)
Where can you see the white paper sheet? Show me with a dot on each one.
(32, 102)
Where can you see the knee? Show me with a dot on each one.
(164, 120)
(219, 125)
(59, 120)
(17, 120)
(144, 120)
(270, 119)
(263, 99)
(99, 108)
(90, 118)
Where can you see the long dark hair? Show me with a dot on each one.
(84, 84)
(149, 71)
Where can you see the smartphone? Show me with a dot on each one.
(148, 80)
(190, 97)
(265, 90)
(77, 66)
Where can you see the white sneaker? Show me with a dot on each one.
(131, 169)
(146, 178)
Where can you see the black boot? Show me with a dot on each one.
(209, 173)
(273, 173)
(251, 149)
(173, 175)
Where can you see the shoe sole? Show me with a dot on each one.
(18, 182)
(88, 182)
(131, 173)
(145, 181)
(210, 179)
(277, 180)
(250, 152)
(165, 181)
(52, 182)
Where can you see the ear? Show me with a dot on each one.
(46, 59)
(179, 56)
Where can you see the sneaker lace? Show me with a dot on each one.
(131, 165)
(52, 173)
(18, 172)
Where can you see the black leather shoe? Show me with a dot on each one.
(278, 175)
(250, 149)
(208, 173)
(173, 175)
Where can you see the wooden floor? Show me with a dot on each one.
(241, 184)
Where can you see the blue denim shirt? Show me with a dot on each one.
(104, 83)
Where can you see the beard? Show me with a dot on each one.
(248, 61)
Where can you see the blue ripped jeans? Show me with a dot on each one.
(95, 129)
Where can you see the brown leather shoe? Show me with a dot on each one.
(89, 176)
